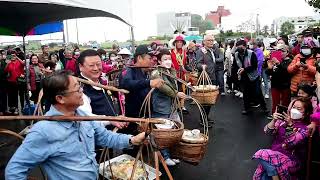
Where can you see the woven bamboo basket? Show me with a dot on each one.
(165, 138)
(206, 97)
(192, 152)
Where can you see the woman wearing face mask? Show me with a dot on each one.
(35, 77)
(280, 81)
(163, 97)
(286, 156)
(302, 68)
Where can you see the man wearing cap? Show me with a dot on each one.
(249, 76)
(302, 68)
(179, 59)
(136, 80)
(205, 58)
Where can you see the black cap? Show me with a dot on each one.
(143, 49)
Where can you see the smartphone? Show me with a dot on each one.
(277, 55)
(281, 109)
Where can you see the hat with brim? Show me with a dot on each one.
(124, 51)
(179, 38)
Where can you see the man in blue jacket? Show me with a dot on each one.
(137, 81)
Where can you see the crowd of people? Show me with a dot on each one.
(248, 69)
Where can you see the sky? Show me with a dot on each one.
(144, 17)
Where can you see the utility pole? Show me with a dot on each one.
(77, 31)
(257, 25)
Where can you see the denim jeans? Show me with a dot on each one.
(266, 80)
(270, 170)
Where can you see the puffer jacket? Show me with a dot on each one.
(299, 75)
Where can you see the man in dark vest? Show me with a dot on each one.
(249, 77)
(90, 65)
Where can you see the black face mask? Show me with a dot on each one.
(240, 50)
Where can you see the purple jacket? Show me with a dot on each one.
(260, 58)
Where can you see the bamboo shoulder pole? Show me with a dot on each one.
(111, 88)
(82, 118)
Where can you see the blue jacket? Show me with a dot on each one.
(138, 83)
(64, 149)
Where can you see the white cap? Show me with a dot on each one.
(124, 51)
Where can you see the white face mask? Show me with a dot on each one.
(113, 58)
(77, 53)
(167, 64)
(295, 114)
(306, 51)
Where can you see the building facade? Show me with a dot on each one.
(299, 23)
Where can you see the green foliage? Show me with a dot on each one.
(287, 28)
(314, 3)
(33, 45)
(203, 25)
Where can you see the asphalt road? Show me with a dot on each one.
(233, 140)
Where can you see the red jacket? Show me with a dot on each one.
(15, 69)
(33, 77)
(180, 70)
(72, 65)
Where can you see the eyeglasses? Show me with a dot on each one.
(80, 90)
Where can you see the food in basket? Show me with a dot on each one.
(193, 136)
(206, 88)
(167, 125)
(122, 170)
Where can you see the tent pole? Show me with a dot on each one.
(27, 64)
(132, 39)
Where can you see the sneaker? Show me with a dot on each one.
(244, 112)
(266, 96)
(223, 94)
(238, 93)
(235, 91)
(170, 162)
(255, 105)
(241, 95)
(229, 91)
(177, 161)
(184, 110)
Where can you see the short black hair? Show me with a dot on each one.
(163, 52)
(55, 84)
(87, 53)
(54, 54)
(101, 51)
(43, 46)
(112, 52)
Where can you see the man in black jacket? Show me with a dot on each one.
(249, 76)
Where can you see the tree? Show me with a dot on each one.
(203, 25)
(287, 28)
(314, 3)
(265, 30)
